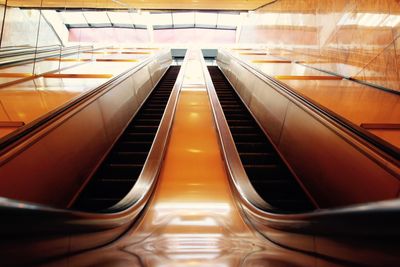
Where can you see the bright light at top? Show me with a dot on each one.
(161, 19)
(97, 17)
(183, 18)
(120, 18)
(369, 20)
(206, 18)
(73, 18)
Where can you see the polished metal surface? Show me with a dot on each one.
(305, 133)
(372, 227)
(193, 218)
(74, 231)
(198, 216)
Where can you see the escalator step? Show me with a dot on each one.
(153, 122)
(243, 137)
(153, 111)
(113, 188)
(128, 157)
(265, 172)
(143, 128)
(240, 122)
(269, 175)
(242, 129)
(155, 105)
(252, 147)
(137, 146)
(119, 171)
(140, 137)
(236, 116)
(156, 116)
(258, 158)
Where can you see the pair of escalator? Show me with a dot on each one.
(121, 168)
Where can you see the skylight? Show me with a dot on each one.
(97, 19)
(76, 18)
(184, 19)
(159, 20)
(206, 19)
(121, 19)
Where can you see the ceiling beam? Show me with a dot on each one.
(144, 4)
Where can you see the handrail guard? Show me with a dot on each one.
(23, 219)
(364, 224)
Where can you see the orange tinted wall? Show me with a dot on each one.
(358, 39)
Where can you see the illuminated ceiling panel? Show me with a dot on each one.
(227, 20)
(161, 20)
(74, 18)
(99, 19)
(206, 18)
(121, 19)
(186, 19)
(158, 20)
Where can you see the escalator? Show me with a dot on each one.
(118, 173)
(267, 172)
(195, 216)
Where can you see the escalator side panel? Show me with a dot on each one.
(324, 150)
(267, 172)
(119, 171)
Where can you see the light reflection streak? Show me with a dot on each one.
(195, 207)
(204, 222)
(369, 20)
(193, 150)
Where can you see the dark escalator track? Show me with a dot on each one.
(121, 168)
(267, 172)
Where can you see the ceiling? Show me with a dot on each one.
(145, 4)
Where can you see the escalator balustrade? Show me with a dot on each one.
(267, 172)
(121, 168)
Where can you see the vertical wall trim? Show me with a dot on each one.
(37, 36)
(4, 22)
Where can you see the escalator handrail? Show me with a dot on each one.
(54, 221)
(367, 220)
(148, 176)
(233, 162)
(39, 56)
(33, 50)
(386, 150)
(27, 50)
(14, 139)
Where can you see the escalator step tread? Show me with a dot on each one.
(265, 169)
(119, 171)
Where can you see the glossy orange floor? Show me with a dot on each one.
(353, 101)
(192, 219)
